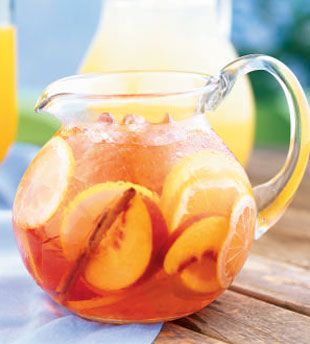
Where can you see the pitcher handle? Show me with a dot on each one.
(273, 197)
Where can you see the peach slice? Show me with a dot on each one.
(96, 302)
(193, 253)
(125, 251)
(126, 248)
(239, 240)
(83, 212)
(201, 275)
(44, 185)
(204, 182)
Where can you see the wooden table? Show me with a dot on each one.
(269, 302)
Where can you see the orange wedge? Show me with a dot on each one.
(205, 182)
(44, 185)
(238, 242)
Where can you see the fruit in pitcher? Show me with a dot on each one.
(102, 246)
(212, 197)
(82, 213)
(205, 182)
(125, 251)
(44, 185)
(193, 253)
(239, 240)
(81, 305)
(126, 248)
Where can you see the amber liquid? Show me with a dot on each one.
(145, 156)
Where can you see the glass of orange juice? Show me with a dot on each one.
(8, 107)
(136, 210)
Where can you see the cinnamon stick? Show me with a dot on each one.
(104, 222)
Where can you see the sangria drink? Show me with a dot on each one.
(133, 219)
(136, 211)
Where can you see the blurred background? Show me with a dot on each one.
(53, 36)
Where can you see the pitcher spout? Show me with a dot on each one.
(42, 103)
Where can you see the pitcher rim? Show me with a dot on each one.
(48, 95)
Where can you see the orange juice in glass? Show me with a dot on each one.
(147, 215)
(176, 35)
(8, 107)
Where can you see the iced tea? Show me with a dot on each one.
(134, 221)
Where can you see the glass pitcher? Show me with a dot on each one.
(176, 35)
(8, 107)
(136, 211)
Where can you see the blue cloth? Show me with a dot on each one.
(27, 315)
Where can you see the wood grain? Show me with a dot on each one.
(289, 240)
(172, 333)
(264, 164)
(278, 283)
(236, 318)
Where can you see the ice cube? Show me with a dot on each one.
(106, 117)
(133, 119)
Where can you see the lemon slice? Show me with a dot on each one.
(209, 197)
(205, 182)
(44, 185)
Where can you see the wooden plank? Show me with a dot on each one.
(289, 240)
(278, 283)
(172, 333)
(239, 319)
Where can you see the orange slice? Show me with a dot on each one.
(193, 253)
(44, 185)
(204, 182)
(239, 240)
